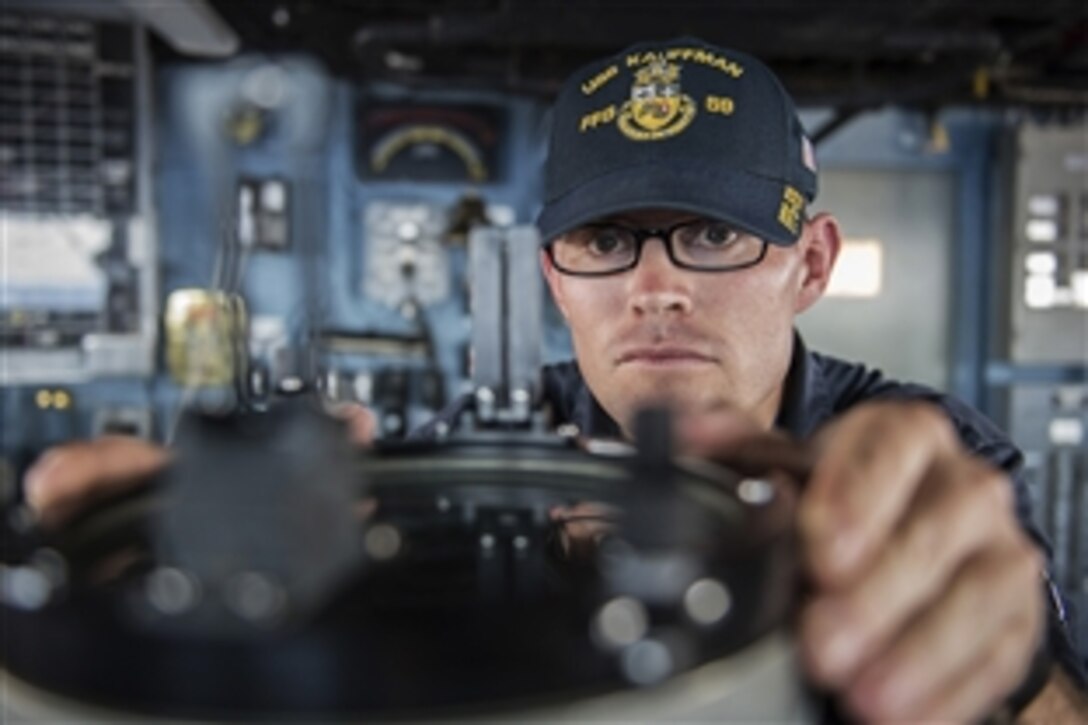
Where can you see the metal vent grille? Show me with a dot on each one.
(67, 116)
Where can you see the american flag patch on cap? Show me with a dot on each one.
(808, 154)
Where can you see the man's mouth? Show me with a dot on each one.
(659, 355)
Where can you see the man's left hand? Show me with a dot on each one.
(928, 596)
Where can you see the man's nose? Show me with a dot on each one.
(656, 285)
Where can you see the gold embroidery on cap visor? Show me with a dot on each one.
(791, 209)
(657, 109)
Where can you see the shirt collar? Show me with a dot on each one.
(806, 401)
(590, 417)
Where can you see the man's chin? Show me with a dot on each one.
(678, 396)
(674, 383)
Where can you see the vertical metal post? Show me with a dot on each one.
(488, 323)
(524, 319)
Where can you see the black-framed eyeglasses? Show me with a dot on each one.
(702, 245)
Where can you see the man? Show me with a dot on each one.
(678, 248)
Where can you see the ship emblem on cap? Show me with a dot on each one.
(657, 109)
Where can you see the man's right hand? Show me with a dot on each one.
(68, 478)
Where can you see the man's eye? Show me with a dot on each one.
(606, 243)
(717, 235)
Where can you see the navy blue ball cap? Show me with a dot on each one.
(682, 125)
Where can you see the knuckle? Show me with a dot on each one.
(865, 606)
(971, 597)
(45, 461)
(49, 480)
(928, 416)
(911, 417)
(990, 490)
(57, 462)
(1028, 563)
(974, 506)
(1018, 574)
(925, 540)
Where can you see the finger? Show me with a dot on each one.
(362, 423)
(365, 508)
(735, 440)
(583, 525)
(953, 519)
(870, 466)
(68, 477)
(981, 689)
(584, 509)
(996, 597)
(585, 521)
(583, 537)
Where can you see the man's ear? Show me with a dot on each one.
(555, 281)
(821, 243)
